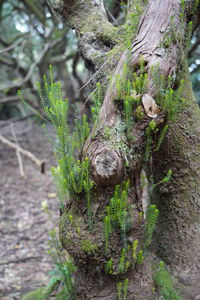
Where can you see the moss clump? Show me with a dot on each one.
(39, 294)
(165, 284)
(88, 247)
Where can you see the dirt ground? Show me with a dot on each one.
(24, 262)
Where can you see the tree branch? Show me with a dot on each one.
(148, 43)
(13, 46)
(96, 34)
(46, 48)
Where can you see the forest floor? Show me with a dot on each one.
(24, 227)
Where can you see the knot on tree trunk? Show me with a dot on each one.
(107, 167)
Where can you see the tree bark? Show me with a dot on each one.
(178, 236)
(178, 200)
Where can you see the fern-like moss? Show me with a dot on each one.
(38, 294)
(162, 137)
(140, 257)
(88, 247)
(109, 266)
(122, 289)
(165, 284)
(166, 179)
(151, 220)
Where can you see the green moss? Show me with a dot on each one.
(70, 228)
(93, 23)
(124, 264)
(140, 257)
(117, 214)
(151, 220)
(122, 289)
(88, 247)
(164, 283)
(109, 266)
(38, 294)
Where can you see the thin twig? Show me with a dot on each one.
(96, 72)
(13, 46)
(31, 156)
(19, 158)
(93, 76)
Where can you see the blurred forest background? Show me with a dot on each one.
(32, 36)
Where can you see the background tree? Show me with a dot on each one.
(32, 38)
(110, 239)
(193, 55)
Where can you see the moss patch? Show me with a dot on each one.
(38, 294)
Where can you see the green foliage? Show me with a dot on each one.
(129, 84)
(196, 4)
(125, 288)
(134, 250)
(140, 82)
(78, 176)
(107, 231)
(140, 257)
(117, 213)
(109, 266)
(130, 87)
(149, 140)
(182, 12)
(107, 133)
(151, 220)
(189, 33)
(97, 101)
(62, 274)
(166, 179)
(139, 113)
(88, 247)
(123, 263)
(38, 294)
(76, 181)
(164, 283)
(119, 291)
(170, 100)
(71, 175)
(122, 289)
(122, 82)
(134, 11)
(82, 131)
(162, 137)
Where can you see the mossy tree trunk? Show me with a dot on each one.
(178, 238)
(125, 140)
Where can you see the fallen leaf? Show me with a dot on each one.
(150, 106)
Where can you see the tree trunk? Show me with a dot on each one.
(118, 151)
(178, 238)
